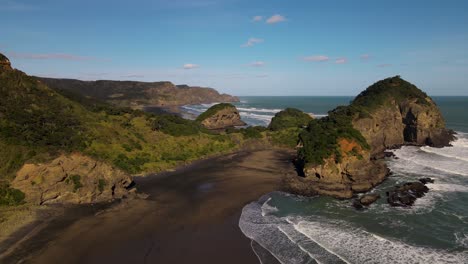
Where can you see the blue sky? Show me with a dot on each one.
(243, 47)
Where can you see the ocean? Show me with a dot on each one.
(295, 229)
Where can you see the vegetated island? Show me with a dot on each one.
(59, 147)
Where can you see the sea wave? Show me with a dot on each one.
(317, 239)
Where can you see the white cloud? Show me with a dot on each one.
(275, 19)
(257, 64)
(318, 58)
(341, 60)
(257, 18)
(252, 41)
(190, 66)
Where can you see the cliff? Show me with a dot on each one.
(339, 154)
(221, 116)
(138, 94)
(394, 112)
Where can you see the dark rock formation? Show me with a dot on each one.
(4, 62)
(407, 194)
(426, 180)
(221, 116)
(139, 94)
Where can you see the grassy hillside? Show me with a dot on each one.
(38, 124)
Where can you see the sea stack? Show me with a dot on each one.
(221, 116)
(340, 154)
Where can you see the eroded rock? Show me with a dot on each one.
(72, 179)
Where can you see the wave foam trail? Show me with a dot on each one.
(360, 246)
(421, 160)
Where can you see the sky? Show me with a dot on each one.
(273, 47)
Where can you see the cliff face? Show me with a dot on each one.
(139, 94)
(221, 116)
(340, 153)
(72, 179)
(404, 122)
(355, 172)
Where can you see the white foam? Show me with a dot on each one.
(359, 246)
(417, 160)
(258, 110)
(256, 116)
(268, 209)
(461, 239)
(447, 187)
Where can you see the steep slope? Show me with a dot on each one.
(66, 133)
(138, 94)
(339, 154)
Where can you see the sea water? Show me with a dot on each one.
(295, 229)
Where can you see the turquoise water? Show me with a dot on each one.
(324, 230)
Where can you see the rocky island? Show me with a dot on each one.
(340, 155)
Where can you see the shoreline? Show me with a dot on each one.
(189, 212)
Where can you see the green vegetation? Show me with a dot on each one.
(37, 124)
(320, 138)
(213, 110)
(101, 184)
(287, 137)
(176, 126)
(382, 92)
(75, 180)
(10, 196)
(252, 132)
(289, 118)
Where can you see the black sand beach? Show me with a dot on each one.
(190, 216)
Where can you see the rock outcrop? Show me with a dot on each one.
(72, 179)
(404, 122)
(221, 116)
(139, 94)
(341, 153)
(407, 194)
(4, 62)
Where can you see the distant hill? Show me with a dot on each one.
(138, 94)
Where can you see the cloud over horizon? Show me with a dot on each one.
(275, 19)
(316, 58)
(251, 42)
(190, 66)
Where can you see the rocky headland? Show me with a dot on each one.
(140, 94)
(341, 155)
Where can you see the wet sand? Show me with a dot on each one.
(190, 216)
